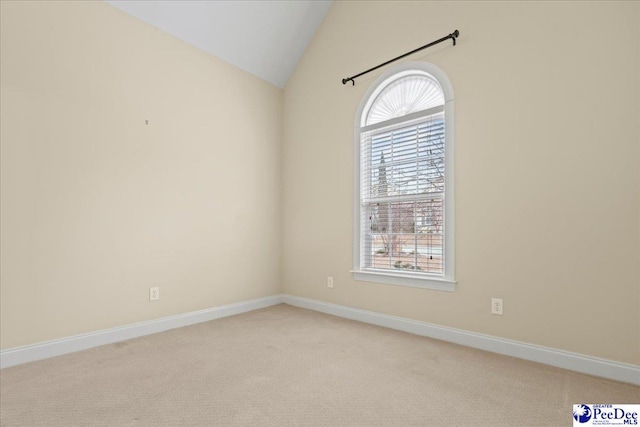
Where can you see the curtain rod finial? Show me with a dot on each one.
(454, 36)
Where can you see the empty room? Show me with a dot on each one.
(319, 213)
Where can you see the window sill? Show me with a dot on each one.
(436, 283)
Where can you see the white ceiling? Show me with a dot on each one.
(265, 38)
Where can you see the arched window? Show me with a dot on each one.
(404, 180)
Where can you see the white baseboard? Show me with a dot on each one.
(30, 353)
(549, 356)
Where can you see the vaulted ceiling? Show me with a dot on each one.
(265, 38)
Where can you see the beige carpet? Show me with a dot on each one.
(285, 366)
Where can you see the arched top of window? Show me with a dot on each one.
(402, 94)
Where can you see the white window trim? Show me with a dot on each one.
(447, 281)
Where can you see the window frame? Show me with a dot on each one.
(446, 281)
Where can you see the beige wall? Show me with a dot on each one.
(96, 205)
(547, 170)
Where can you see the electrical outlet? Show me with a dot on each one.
(497, 306)
(154, 294)
(329, 282)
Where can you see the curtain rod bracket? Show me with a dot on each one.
(453, 36)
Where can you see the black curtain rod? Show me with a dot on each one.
(452, 36)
